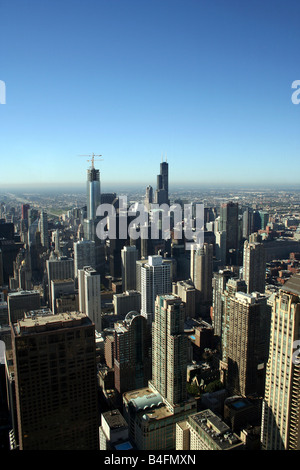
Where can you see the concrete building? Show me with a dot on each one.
(126, 302)
(20, 302)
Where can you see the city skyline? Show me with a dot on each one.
(207, 86)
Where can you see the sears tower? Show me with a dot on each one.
(162, 191)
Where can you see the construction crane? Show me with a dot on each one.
(93, 155)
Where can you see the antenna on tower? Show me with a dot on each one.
(93, 155)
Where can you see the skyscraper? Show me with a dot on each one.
(93, 201)
(149, 197)
(280, 418)
(129, 255)
(152, 412)
(162, 191)
(169, 349)
(229, 223)
(93, 192)
(155, 280)
(44, 229)
(55, 376)
(248, 342)
(219, 282)
(254, 267)
(201, 275)
(89, 288)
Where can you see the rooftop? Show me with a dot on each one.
(43, 319)
(293, 284)
(218, 431)
(114, 419)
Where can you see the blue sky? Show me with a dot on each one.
(205, 83)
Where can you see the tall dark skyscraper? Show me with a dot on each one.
(162, 191)
(229, 224)
(56, 389)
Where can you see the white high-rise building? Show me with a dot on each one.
(89, 287)
(169, 350)
(155, 280)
